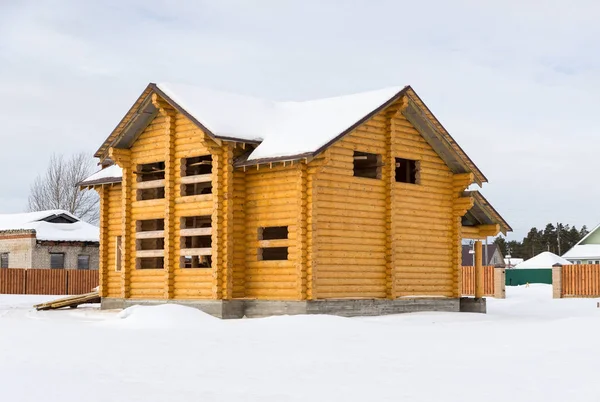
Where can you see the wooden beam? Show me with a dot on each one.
(143, 185)
(195, 232)
(152, 234)
(480, 231)
(195, 251)
(478, 271)
(200, 178)
(149, 253)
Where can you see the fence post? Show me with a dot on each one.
(557, 281)
(499, 283)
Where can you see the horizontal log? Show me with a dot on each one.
(149, 253)
(195, 232)
(195, 251)
(153, 234)
(201, 178)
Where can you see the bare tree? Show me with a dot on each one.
(58, 189)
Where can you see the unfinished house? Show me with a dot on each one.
(48, 239)
(241, 206)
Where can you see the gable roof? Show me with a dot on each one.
(483, 213)
(584, 249)
(285, 130)
(43, 222)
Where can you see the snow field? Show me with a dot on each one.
(528, 347)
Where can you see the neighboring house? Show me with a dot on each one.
(242, 206)
(510, 262)
(545, 260)
(47, 239)
(494, 256)
(587, 251)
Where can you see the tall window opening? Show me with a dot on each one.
(83, 261)
(150, 243)
(272, 251)
(3, 260)
(150, 181)
(407, 171)
(196, 242)
(196, 175)
(118, 252)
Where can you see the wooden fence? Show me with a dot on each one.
(47, 281)
(580, 280)
(468, 281)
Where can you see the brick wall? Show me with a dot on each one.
(19, 249)
(41, 254)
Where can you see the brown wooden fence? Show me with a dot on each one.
(468, 281)
(47, 281)
(580, 280)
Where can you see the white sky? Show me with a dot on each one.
(516, 84)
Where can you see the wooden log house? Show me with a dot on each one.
(241, 206)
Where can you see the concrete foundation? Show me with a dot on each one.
(239, 308)
(473, 305)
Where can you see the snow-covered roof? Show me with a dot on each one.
(76, 231)
(583, 251)
(513, 261)
(543, 260)
(283, 128)
(586, 248)
(109, 174)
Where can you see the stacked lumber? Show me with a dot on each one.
(71, 301)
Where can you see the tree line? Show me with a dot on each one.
(556, 239)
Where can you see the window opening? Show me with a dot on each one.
(407, 170)
(57, 260)
(367, 165)
(83, 261)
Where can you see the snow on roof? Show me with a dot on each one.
(77, 231)
(513, 261)
(543, 260)
(106, 175)
(583, 251)
(284, 128)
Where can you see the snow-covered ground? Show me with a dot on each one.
(528, 347)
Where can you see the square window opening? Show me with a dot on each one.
(151, 171)
(196, 242)
(196, 261)
(57, 260)
(150, 244)
(196, 189)
(273, 253)
(196, 222)
(197, 165)
(150, 225)
(150, 194)
(407, 171)
(273, 233)
(150, 263)
(367, 165)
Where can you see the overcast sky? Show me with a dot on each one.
(516, 84)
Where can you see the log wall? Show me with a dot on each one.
(271, 196)
(377, 238)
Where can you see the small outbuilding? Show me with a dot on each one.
(48, 239)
